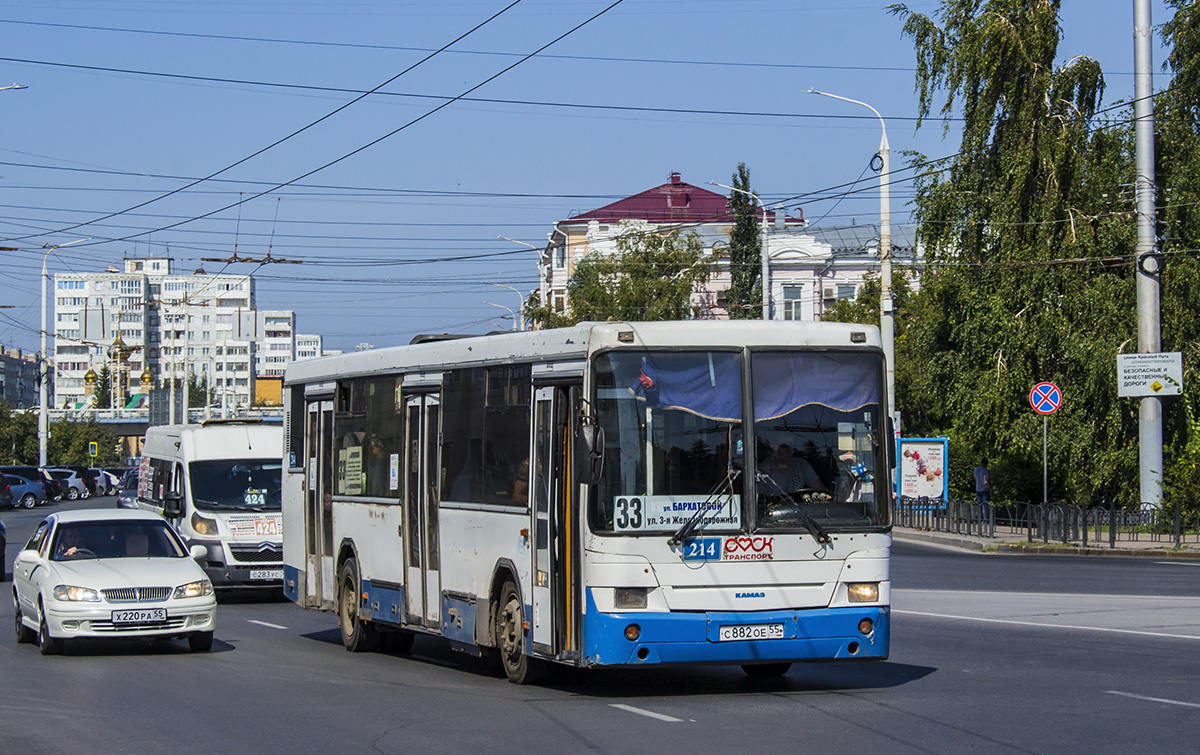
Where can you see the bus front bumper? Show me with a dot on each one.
(819, 634)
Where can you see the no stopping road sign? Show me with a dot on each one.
(1045, 398)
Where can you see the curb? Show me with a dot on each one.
(978, 545)
(1073, 551)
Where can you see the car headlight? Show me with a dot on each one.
(194, 589)
(75, 594)
(862, 592)
(203, 525)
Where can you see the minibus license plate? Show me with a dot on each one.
(750, 632)
(139, 616)
(266, 574)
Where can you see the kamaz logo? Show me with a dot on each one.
(749, 595)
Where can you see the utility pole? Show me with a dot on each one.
(1149, 262)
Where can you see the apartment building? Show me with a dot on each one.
(18, 378)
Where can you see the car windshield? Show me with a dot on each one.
(114, 539)
(240, 484)
(130, 482)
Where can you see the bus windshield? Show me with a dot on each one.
(675, 441)
(238, 484)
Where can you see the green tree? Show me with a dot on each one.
(745, 251)
(104, 384)
(198, 393)
(1021, 229)
(650, 277)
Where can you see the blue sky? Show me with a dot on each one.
(133, 99)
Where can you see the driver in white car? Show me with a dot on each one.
(69, 544)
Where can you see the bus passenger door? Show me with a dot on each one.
(553, 525)
(318, 486)
(422, 586)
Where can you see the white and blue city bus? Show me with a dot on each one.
(613, 494)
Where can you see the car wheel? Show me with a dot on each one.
(72, 494)
(200, 641)
(358, 636)
(24, 634)
(510, 639)
(29, 500)
(49, 645)
(766, 670)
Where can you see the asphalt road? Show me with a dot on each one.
(990, 654)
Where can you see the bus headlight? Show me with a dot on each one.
(629, 597)
(862, 592)
(202, 525)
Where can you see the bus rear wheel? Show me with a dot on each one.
(357, 634)
(766, 670)
(510, 638)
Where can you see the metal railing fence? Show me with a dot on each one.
(1058, 522)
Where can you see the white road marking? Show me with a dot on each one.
(265, 624)
(1044, 625)
(646, 713)
(1154, 699)
(1178, 563)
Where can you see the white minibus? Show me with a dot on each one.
(219, 484)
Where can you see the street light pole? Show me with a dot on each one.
(511, 313)
(886, 323)
(43, 385)
(766, 264)
(518, 293)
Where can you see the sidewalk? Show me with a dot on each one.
(1013, 543)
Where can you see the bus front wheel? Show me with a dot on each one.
(510, 638)
(357, 635)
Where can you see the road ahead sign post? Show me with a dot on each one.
(1045, 398)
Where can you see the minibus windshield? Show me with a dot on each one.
(236, 484)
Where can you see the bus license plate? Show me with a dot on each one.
(750, 632)
(139, 616)
(257, 574)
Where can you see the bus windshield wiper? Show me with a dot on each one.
(218, 504)
(805, 518)
(694, 520)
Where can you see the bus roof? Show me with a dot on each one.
(578, 342)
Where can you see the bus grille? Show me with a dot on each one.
(137, 594)
(260, 553)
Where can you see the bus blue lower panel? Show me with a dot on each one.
(819, 634)
(382, 601)
(293, 583)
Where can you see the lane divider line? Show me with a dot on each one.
(1154, 699)
(646, 713)
(1050, 626)
(265, 624)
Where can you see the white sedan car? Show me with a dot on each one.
(110, 573)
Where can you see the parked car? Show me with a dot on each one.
(109, 573)
(26, 493)
(54, 491)
(86, 474)
(127, 495)
(106, 483)
(6, 498)
(73, 485)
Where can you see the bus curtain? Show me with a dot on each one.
(785, 382)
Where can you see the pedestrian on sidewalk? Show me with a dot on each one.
(983, 483)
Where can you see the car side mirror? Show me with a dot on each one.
(198, 552)
(589, 454)
(172, 505)
(27, 556)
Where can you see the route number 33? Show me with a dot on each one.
(629, 515)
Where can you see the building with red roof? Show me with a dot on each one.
(810, 269)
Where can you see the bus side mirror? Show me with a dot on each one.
(172, 505)
(589, 454)
(890, 446)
